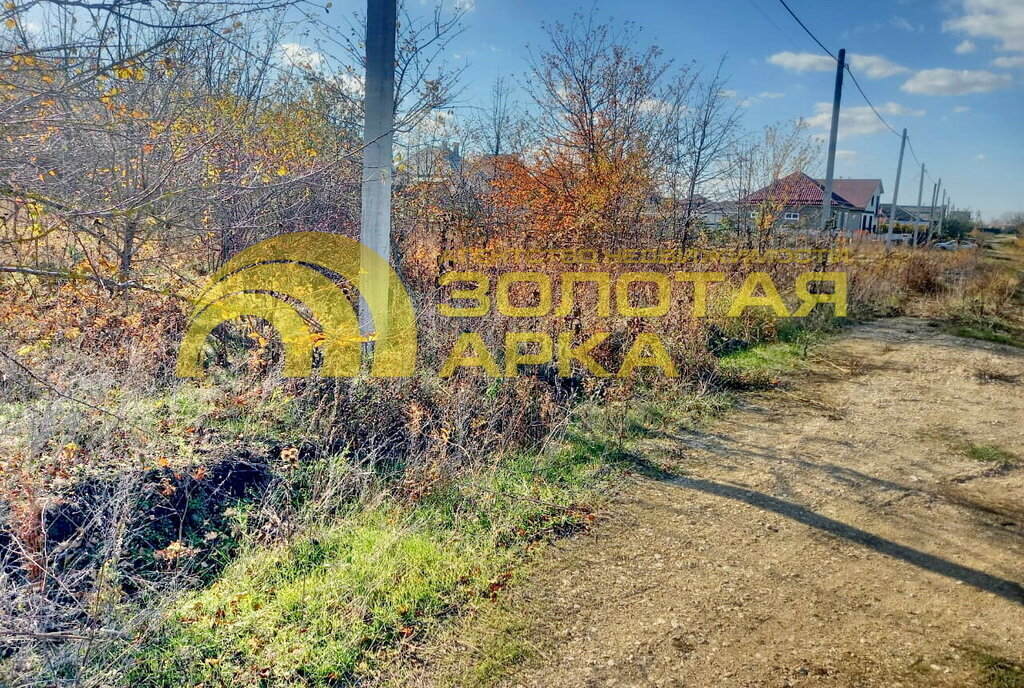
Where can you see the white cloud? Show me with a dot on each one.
(728, 93)
(770, 94)
(859, 120)
(1008, 62)
(966, 46)
(871, 66)
(465, 5)
(300, 55)
(960, 109)
(803, 62)
(658, 107)
(980, 156)
(875, 66)
(350, 83)
(953, 82)
(1002, 20)
(846, 155)
(439, 125)
(902, 23)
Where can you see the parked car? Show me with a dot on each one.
(955, 245)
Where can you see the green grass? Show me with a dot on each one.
(989, 453)
(996, 671)
(986, 453)
(759, 366)
(333, 606)
(483, 650)
(979, 320)
(776, 357)
(313, 612)
(987, 334)
(327, 608)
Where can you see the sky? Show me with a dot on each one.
(950, 71)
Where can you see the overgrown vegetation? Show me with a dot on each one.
(250, 529)
(332, 604)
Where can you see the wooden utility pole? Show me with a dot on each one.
(931, 213)
(379, 119)
(826, 199)
(896, 191)
(920, 192)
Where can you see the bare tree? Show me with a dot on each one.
(599, 95)
(132, 123)
(500, 126)
(756, 162)
(424, 80)
(703, 137)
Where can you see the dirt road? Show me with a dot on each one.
(837, 533)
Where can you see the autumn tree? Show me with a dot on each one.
(606, 111)
(139, 131)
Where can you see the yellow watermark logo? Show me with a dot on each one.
(288, 281)
(471, 296)
(294, 282)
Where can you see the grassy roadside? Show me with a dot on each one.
(364, 585)
(342, 603)
(493, 636)
(974, 319)
(336, 605)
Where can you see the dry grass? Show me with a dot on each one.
(112, 496)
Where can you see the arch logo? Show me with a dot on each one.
(292, 282)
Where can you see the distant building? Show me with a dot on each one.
(794, 201)
(715, 212)
(864, 195)
(912, 216)
(430, 164)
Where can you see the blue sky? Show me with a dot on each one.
(950, 71)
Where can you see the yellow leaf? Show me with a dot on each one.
(282, 171)
(11, 23)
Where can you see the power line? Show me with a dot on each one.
(853, 77)
(771, 21)
(809, 32)
(916, 159)
(847, 66)
(870, 104)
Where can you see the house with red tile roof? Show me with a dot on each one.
(796, 200)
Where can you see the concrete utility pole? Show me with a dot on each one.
(379, 113)
(826, 200)
(942, 217)
(920, 186)
(917, 214)
(896, 191)
(931, 213)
